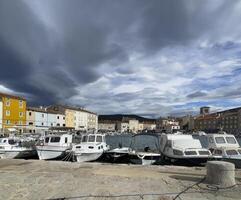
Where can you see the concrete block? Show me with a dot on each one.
(220, 173)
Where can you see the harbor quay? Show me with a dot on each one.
(37, 179)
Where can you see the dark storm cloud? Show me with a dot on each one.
(50, 49)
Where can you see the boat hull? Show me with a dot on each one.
(189, 161)
(144, 159)
(88, 157)
(17, 154)
(50, 153)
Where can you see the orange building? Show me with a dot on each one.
(13, 112)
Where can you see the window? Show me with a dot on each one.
(42, 124)
(99, 139)
(42, 115)
(84, 139)
(220, 140)
(29, 113)
(65, 140)
(63, 124)
(7, 112)
(63, 118)
(8, 122)
(190, 153)
(46, 139)
(8, 102)
(91, 138)
(20, 122)
(20, 103)
(20, 114)
(57, 117)
(30, 123)
(58, 124)
(55, 139)
(51, 124)
(230, 140)
(217, 152)
(231, 152)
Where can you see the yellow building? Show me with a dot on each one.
(70, 118)
(13, 112)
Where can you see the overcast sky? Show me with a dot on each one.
(147, 57)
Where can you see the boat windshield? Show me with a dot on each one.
(231, 152)
(220, 140)
(84, 138)
(54, 139)
(91, 138)
(187, 143)
(98, 138)
(231, 140)
(147, 143)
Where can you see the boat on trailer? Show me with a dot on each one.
(183, 149)
(145, 149)
(54, 146)
(91, 148)
(13, 148)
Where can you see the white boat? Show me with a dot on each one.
(119, 155)
(12, 148)
(145, 149)
(54, 147)
(225, 147)
(183, 149)
(221, 140)
(91, 148)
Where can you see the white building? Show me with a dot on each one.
(40, 120)
(60, 120)
(104, 126)
(81, 120)
(133, 125)
(92, 123)
(123, 127)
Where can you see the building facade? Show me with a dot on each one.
(92, 121)
(104, 126)
(1, 114)
(40, 120)
(13, 112)
(76, 117)
(128, 123)
(228, 120)
(168, 125)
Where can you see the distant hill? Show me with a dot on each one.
(121, 117)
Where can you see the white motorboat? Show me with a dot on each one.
(225, 147)
(118, 155)
(91, 148)
(54, 146)
(145, 149)
(228, 154)
(183, 149)
(221, 140)
(12, 148)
